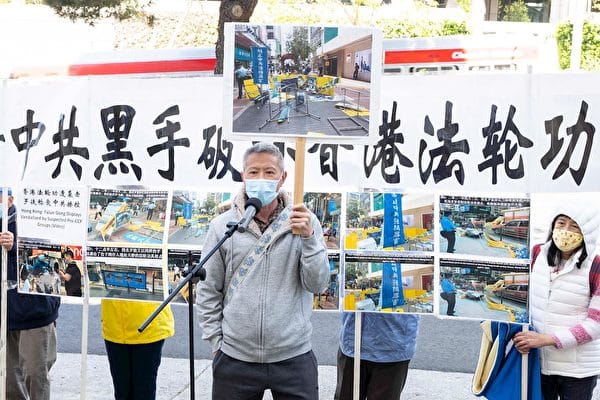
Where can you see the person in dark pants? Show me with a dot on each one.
(134, 357)
(31, 336)
(448, 294)
(448, 231)
(134, 369)
(256, 345)
(71, 276)
(241, 74)
(283, 378)
(387, 346)
(151, 208)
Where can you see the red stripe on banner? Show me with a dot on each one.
(423, 56)
(144, 67)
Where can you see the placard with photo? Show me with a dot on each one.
(485, 226)
(191, 213)
(134, 273)
(50, 268)
(329, 299)
(328, 209)
(299, 80)
(179, 264)
(127, 216)
(484, 289)
(377, 221)
(395, 281)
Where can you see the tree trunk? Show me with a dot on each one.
(231, 11)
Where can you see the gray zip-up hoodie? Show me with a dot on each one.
(267, 318)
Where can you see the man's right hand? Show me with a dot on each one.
(7, 240)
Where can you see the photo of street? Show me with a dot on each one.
(177, 268)
(484, 290)
(191, 213)
(398, 283)
(43, 268)
(327, 207)
(389, 221)
(329, 299)
(301, 80)
(485, 226)
(127, 216)
(126, 272)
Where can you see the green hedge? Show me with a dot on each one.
(422, 28)
(590, 47)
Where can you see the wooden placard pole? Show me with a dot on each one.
(299, 174)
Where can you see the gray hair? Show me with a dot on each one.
(268, 148)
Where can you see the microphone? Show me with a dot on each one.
(253, 205)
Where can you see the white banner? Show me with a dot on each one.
(476, 132)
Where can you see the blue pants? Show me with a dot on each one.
(568, 388)
(134, 368)
(292, 379)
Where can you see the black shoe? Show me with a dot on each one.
(451, 315)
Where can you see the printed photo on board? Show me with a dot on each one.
(126, 273)
(395, 282)
(47, 268)
(389, 221)
(301, 80)
(329, 299)
(127, 216)
(178, 267)
(191, 212)
(484, 290)
(485, 226)
(327, 207)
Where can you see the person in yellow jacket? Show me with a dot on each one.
(134, 357)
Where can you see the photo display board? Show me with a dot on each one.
(442, 145)
(298, 80)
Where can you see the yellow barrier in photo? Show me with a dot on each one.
(349, 302)
(352, 241)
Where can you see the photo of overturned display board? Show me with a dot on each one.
(127, 216)
(134, 273)
(485, 289)
(191, 213)
(298, 80)
(390, 282)
(378, 221)
(49, 268)
(485, 226)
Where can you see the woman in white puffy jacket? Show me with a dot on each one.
(564, 304)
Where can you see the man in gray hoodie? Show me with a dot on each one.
(256, 302)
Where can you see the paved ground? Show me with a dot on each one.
(173, 378)
(317, 114)
(173, 381)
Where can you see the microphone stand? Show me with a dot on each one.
(197, 272)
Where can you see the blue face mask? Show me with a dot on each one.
(263, 189)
